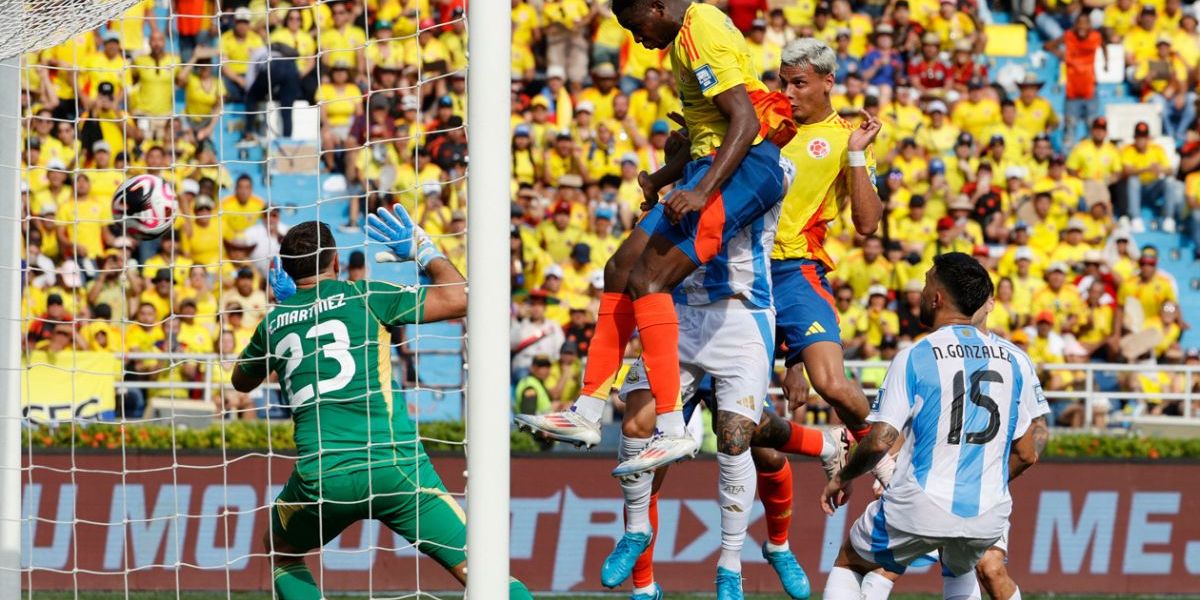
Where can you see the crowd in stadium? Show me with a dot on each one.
(964, 164)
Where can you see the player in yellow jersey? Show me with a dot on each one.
(731, 176)
(837, 164)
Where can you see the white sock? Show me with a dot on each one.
(876, 587)
(963, 587)
(636, 488)
(589, 408)
(648, 590)
(736, 486)
(671, 424)
(843, 584)
(1016, 594)
(780, 548)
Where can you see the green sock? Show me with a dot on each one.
(295, 582)
(518, 591)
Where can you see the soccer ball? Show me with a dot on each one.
(145, 206)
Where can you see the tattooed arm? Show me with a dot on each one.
(1028, 448)
(866, 454)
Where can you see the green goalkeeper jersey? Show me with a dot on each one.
(330, 347)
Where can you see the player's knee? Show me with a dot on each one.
(734, 433)
(767, 460)
(991, 570)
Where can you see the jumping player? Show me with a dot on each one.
(730, 177)
(965, 401)
(358, 455)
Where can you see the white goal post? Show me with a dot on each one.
(489, 68)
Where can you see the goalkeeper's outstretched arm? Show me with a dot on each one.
(446, 296)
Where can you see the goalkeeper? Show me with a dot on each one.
(358, 454)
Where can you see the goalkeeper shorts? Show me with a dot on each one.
(408, 499)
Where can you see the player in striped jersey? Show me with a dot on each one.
(965, 401)
(992, 570)
(727, 331)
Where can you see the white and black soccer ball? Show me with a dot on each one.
(145, 207)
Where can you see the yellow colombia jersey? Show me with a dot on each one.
(818, 195)
(708, 57)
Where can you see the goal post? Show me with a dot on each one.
(489, 48)
(10, 329)
(24, 27)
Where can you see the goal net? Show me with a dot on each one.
(142, 468)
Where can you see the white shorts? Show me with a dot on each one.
(731, 342)
(877, 541)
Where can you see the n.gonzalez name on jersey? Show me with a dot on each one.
(331, 348)
(819, 152)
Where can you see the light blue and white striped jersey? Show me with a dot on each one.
(741, 268)
(960, 397)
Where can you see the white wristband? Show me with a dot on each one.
(856, 158)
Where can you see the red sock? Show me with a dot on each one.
(658, 327)
(861, 432)
(805, 441)
(643, 569)
(614, 327)
(775, 491)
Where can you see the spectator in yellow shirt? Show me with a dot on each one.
(1164, 80)
(882, 322)
(1097, 158)
(937, 138)
(1119, 18)
(83, 221)
(1140, 40)
(1062, 301)
(865, 268)
(652, 102)
(557, 236)
(1094, 331)
(161, 293)
(237, 46)
(976, 113)
(1072, 248)
(1149, 179)
(860, 26)
(155, 78)
(602, 92)
(916, 228)
(242, 209)
(1017, 141)
(952, 25)
(107, 66)
(1151, 289)
(1034, 113)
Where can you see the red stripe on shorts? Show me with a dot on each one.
(810, 274)
(711, 229)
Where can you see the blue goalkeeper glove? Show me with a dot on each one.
(281, 283)
(405, 241)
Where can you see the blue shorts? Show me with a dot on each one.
(804, 306)
(755, 187)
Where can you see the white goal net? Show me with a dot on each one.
(142, 469)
